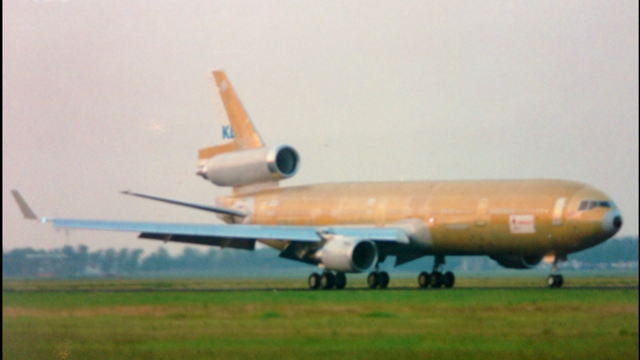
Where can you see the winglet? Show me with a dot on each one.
(26, 210)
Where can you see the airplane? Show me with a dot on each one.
(352, 227)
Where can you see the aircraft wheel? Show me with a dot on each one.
(314, 281)
(449, 279)
(327, 281)
(436, 279)
(384, 279)
(340, 280)
(555, 281)
(373, 280)
(423, 279)
(551, 281)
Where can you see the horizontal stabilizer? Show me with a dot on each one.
(215, 209)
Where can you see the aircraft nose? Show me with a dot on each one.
(612, 221)
(617, 222)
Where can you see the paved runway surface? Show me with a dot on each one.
(319, 290)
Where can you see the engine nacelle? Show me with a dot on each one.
(517, 261)
(348, 254)
(252, 166)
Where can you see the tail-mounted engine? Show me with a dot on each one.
(252, 166)
(517, 261)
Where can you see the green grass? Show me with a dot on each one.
(356, 324)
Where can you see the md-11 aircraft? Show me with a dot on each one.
(352, 227)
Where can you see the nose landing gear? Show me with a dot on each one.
(555, 280)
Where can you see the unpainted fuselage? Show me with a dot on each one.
(490, 217)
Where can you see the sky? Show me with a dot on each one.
(104, 96)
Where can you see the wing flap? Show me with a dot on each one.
(244, 244)
(374, 233)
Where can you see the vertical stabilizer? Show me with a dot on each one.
(236, 128)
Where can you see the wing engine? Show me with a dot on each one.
(348, 254)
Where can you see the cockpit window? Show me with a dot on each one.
(586, 205)
(583, 205)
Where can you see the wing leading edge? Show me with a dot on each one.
(212, 234)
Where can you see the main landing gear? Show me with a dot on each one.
(555, 280)
(327, 280)
(436, 279)
(378, 279)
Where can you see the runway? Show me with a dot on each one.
(275, 289)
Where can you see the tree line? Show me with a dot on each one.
(79, 261)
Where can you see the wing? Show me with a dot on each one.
(212, 230)
(200, 233)
(236, 236)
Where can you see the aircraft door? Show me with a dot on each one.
(558, 209)
(381, 211)
(482, 216)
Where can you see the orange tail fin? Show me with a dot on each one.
(236, 128)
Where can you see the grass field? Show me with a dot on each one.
(459, 323)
